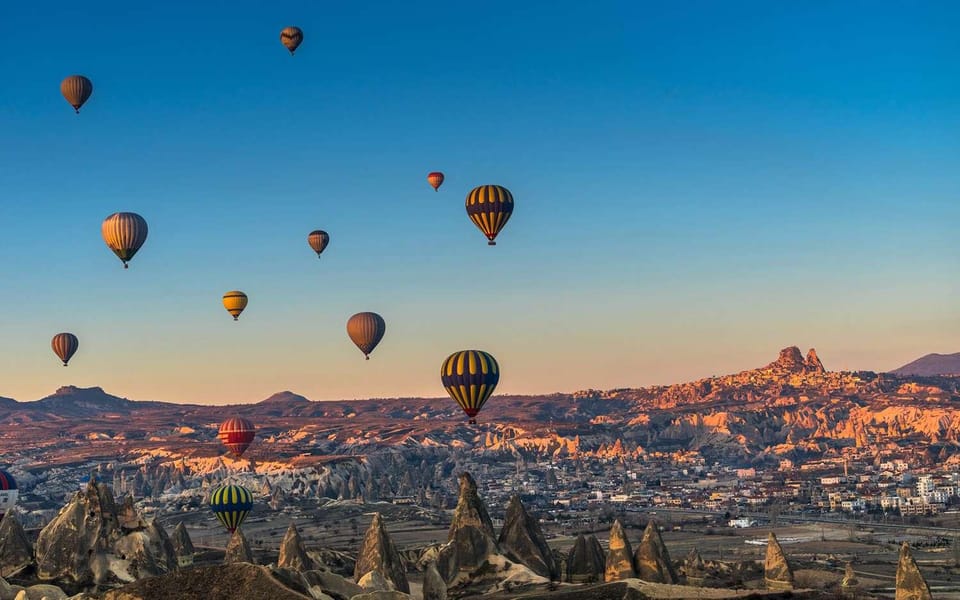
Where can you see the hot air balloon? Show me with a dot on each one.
(291, 37)
(435, 179)
(76, 89)
(318, 240)
(124, 233)
(470, 376)
(8, 492)
(490, 207)
(231, 503)
(235, 302)
(237, 434)
(65, 346)
(366, 329)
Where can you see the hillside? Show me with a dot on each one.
(932, 365)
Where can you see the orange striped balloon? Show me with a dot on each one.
(235, 301)
(65, 345)
(435, 179)
(124, 233)
(76, 89)
(366, 329)
(291, 38)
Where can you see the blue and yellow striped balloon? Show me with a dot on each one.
(231, 503)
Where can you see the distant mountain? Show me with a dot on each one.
(286, 397)
(931, 365)
(73, 401)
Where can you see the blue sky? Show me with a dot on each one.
(697, 185)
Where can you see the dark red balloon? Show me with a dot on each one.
(237, 434)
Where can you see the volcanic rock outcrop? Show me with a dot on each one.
(849, 583)
(238, 550)
(74, 544)
(619, 563)
(16, 553)
(792, 361)
(182, 546)
(379, 554)
(586, 562)
(522, 540)
(221, 582)
(910, 582)
(292, 553)
(470, 541)
(148, 552)
(651, 560)
(694, 568)
(434, 587)
(777, 574)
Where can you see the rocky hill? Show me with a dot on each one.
(931, 365)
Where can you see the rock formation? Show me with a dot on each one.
(470, 509)
(522, 541)
(694, 568)
(850, 582)
(910, 582)
(812, 362)
(392, 595)
(148, 552)
(182, 546)
(434, 587)
(373, 581)
(292, 553)
(41, 592)
(238, 550)
(619, 563)
(776, 570)
(652, 561)
(586, 562)
(792, 361)
(16, 553)
(331, 584)
(221, 582)
(74, 544)
(470, 542)
(379, 554)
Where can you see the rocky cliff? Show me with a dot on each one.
(777, 573)
(377, 553)
(522, 540)
(619, 563)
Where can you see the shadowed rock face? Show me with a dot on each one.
(470, 509)
(72, 544)
(221, 582)
(182, 545)
(522, 540)
(652, 561)
(379, 554)
(910, 582)
(694, 568)
(434, 588)
(292, 553)
(776, 571)
(586, 562)
(238, 550)
(468, 550)
(149, 552)
(619, 564)
(16, 553)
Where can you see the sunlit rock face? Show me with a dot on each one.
(776, 570)
(379, 554)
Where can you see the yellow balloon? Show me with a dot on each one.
(235, 301)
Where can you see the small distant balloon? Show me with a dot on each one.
(366, 329)
(65, 346)
(124, 233)
(470, 376)
(435, 179)
(235, 301)
(291, 37)
(318, 240)
(76, 89)
(231, 504)
(490, 207)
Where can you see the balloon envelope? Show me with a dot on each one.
(231, 504)
(318, 240)
(490, 207)
(291, 38)
(65, 346)
(76, 89)
(470, 376)
(235, 301)
(366, 329)
(237, 434)
(435, 179)
(8, 492)
(124, 233)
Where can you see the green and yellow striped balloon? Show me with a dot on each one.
(470, 376)
(231, 503)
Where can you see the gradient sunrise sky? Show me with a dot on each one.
(697, 185)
